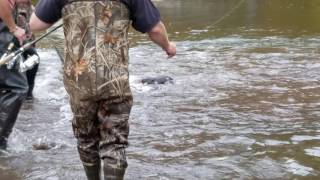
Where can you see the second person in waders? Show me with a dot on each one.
(96, 73)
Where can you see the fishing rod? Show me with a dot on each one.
(23, 48)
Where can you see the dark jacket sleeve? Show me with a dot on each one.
(143, 13)
(49, 11)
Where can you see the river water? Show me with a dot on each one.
(244, 103)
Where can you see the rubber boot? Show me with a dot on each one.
(3, 143)
(93, 172)
(10, 104)
(31, 74)
(111, 172)
(31, 86)
(30, 94)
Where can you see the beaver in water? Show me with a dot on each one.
(43, 146)
(157, 80)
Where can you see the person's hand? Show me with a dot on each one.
(20, 34)
(29, 36)
(171, 50)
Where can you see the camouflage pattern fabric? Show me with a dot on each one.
(23, 12)
(96, 60)
(96, 78)
(102, 131)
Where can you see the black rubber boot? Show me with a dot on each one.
(10, 104)
(30, 94)
(93, 172)
(31, 85)
(111, 172)
(31, 74)
(3, 143)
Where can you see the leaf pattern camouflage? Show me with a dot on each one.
(23, 12)
(102, 130)
(97, 79)
(96, 60)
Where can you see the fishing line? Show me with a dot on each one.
(226, 15)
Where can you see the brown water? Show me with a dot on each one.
(244, 104)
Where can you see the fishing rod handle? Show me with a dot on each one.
(7, 59)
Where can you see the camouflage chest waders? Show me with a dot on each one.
(13, 88)
(97, 80)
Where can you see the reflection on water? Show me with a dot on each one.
(244, 103)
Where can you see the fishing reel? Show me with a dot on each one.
(19, 62)
(22, 65)
(31, 61)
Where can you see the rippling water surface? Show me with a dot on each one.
(244, 103)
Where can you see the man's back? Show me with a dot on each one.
(96, 62)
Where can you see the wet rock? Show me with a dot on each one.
(157, 80)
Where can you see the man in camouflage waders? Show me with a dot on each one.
(96, 72)
(13, 84)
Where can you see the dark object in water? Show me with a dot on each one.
(43, 146)
(157, 80)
